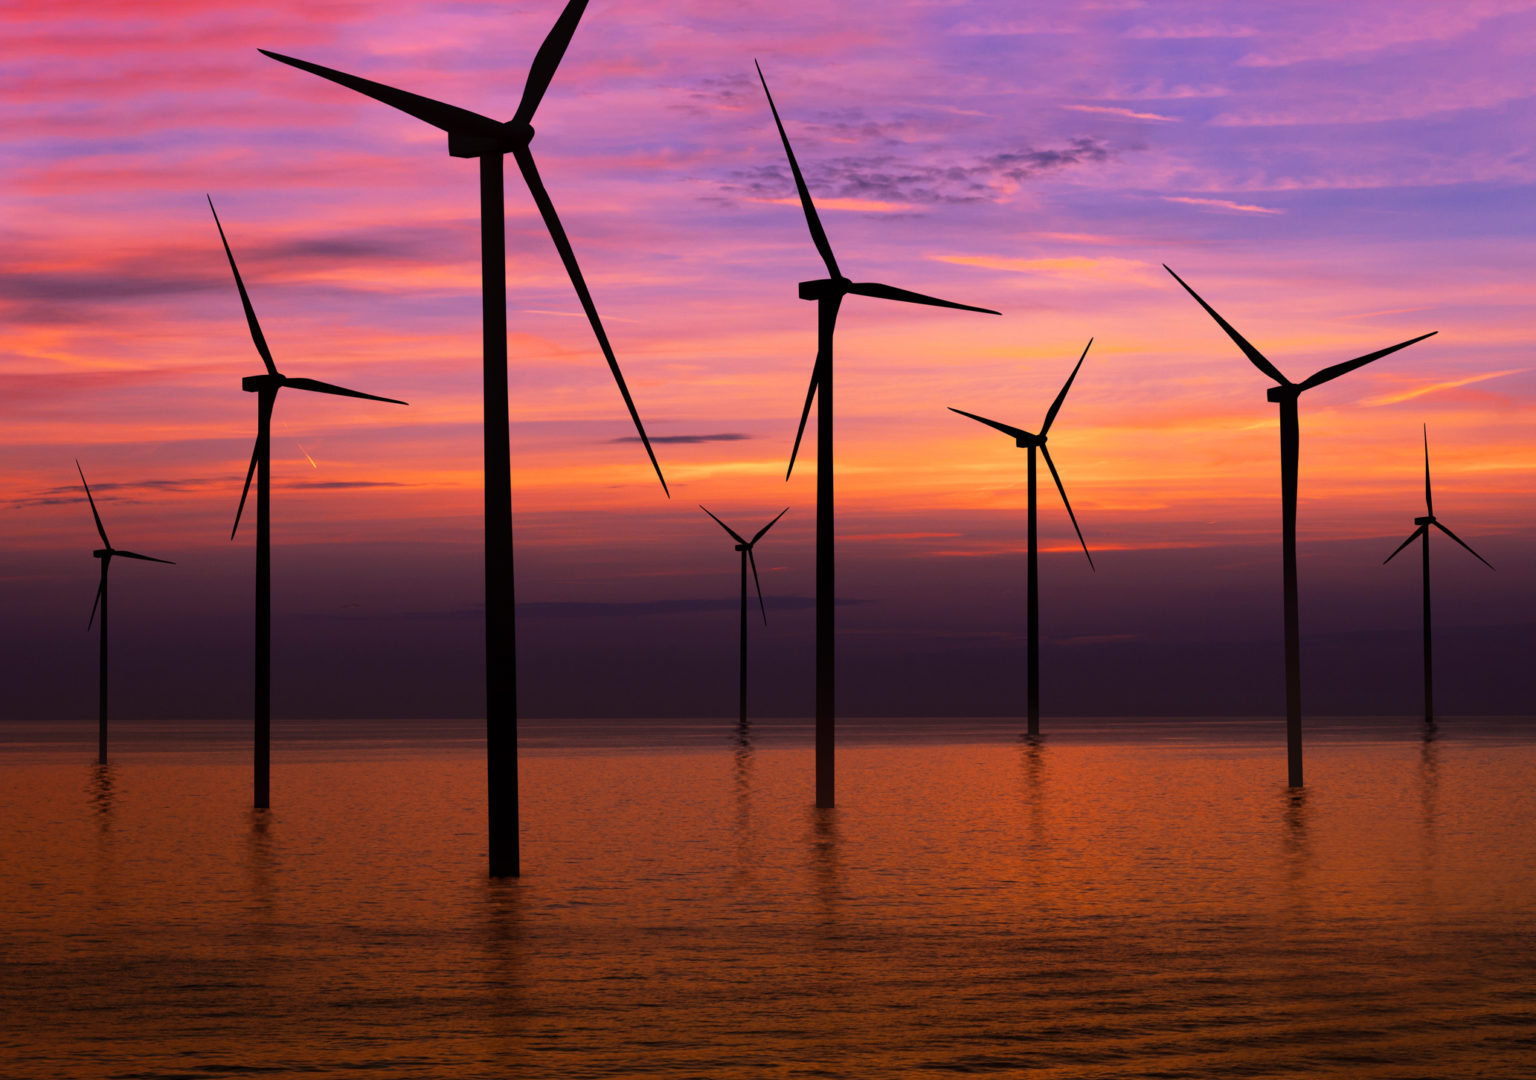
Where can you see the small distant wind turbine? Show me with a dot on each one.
(1033, 442)
(1422, 532)
(828, 293)
(105, 554)
(1286, 395)
(265, 387)
(745, 547)
(471, 135)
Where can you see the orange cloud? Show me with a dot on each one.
(1446, 384)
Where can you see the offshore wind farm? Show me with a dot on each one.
(562, 851)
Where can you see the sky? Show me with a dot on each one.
(1333, 178)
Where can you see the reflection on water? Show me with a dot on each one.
(1429, 776)
(1112, 910)
(826, 859)
(1032, 772)
(742, 764)
(260, 862)
(1296, 843)
(101, 787)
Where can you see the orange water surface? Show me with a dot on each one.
(1132, 904)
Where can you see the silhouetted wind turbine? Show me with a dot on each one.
(1033, 442)
(1422, 532)
(265, 387)
(828, 293)
(1285, 394)
(471, 135)
(745, 547)
(105, 554)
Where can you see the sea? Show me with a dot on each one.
(1114, 898)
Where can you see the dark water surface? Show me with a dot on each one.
(1116, 900)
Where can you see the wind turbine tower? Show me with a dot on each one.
(1287, 394)
(746, 547)
(828, 293)
(1422, 533)
(1036, 444)
(105, 553)
(471, 135)
(265, 386)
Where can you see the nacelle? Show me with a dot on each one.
(824, 288)
(477, 144)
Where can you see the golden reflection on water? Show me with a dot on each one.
(1039, 907)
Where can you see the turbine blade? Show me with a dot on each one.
(1329, 373)
(1050, 417)
(906, 296)
(99, 528)
(1429, 503)
(548, 60)
(1463, 543)
(563, 246)
(753, 560)
(804, 415)
(818, 234)
(734, 534)
(245, 299)
(439, 115)
(99, 590)
(340, 391)
(146, 558)
(1017, 433)
(1257, 358)
(1057, 477)
(771, 524)
(1411, 538)
(265, 403)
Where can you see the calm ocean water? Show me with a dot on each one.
(1116, 900)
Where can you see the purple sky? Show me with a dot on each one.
(1332, 177)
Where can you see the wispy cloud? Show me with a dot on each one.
(1223, 204)
(1190, 30)
(1077, 266)
(1129, 114)
(1397, 397)
(884, 182)
(108, 491)
(725, 436)
(868, 206)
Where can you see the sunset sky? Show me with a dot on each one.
(1333, 178)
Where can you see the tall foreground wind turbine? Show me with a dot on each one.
(745, 547)
(1422, 532)
(104, 553)
(265, 387)
(1286, 394)
(1033, 443)
(471, 135)
(828, 293)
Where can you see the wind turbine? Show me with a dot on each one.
(1032, 443)
(828, 293)
(1422, 532)
(745, 547)
(471, 135)
(265, 387)
(1286, 394)
(104, 553)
